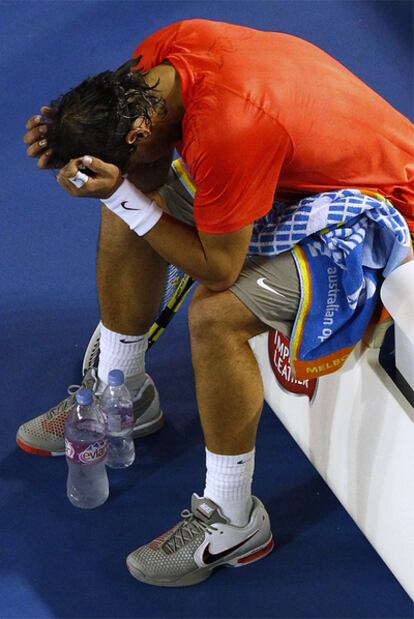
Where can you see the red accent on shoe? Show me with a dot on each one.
(156, 543)
(32, 450)
(259, 554)
(56, 425)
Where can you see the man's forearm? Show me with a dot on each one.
(181, 245)
(214, 260)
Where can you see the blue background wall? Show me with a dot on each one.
(56, 561)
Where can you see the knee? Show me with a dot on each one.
(208, 314)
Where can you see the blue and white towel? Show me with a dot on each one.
(344, 243)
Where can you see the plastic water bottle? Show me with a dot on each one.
(119, 416)
(86, 451)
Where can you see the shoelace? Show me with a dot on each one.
(72, 391)
(190, 528)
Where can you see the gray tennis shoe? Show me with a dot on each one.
(44, 435)
(189, 552)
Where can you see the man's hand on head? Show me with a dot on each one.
(102, 184)
(36, 137)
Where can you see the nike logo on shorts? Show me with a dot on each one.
(262, 284)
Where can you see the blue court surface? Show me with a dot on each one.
(55, 560)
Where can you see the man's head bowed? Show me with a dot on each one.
(96, 116)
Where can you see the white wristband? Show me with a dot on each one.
(134, 207)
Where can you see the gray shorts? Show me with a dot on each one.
(268, 286)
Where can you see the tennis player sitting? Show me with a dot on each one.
(256, 116)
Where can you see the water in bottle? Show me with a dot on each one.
(119, 416)
(86, 452)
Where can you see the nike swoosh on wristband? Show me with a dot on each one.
(129, 341)
(262, 284)
(210, 557)
(127, 208)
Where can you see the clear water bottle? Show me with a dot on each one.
(86, 451)
(119, 416)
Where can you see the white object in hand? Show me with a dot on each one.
(79, 179)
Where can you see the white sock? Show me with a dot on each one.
(229, 483)
(122, 352)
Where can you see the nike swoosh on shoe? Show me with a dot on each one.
(209, 557)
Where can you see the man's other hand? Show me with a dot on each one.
(36, 137)
(104, 181)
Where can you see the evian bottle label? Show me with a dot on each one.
(79, 453)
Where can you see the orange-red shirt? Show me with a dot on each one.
(268, 113)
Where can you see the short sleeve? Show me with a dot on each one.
(236, 162)
(155, 48)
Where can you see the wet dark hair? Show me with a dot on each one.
(94, 117)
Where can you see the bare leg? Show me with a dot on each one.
(228, 382)
(130, 277)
